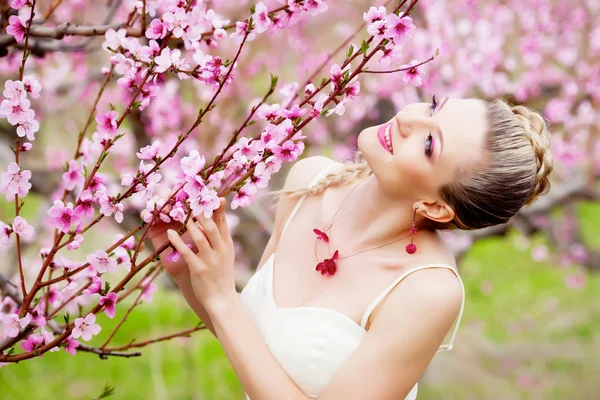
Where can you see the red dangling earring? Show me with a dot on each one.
(411, 248)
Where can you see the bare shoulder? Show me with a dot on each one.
(436, 291)
(305, 170)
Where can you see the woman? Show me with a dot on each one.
(365, 291)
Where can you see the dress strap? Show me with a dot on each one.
(315, 180)
(372, 306)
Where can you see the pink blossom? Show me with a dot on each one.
(32, 86)
(15, 113)
(378, 30)
(309, 89)
(28, 126)
(85, 208)
(399, 29)
(268, 112)
(48, 338)
(86, 328)
(148, 289)
(156, 30)
(15, 181)
(336, 74)
(25, 147)
(74, 176)
(391, 55)
(32, 342)
(71, 345)
(18, 4)
(339, 109)
(107, 123)
(192, 164)
(23, 229)
(62, 217)
(261, 17)
(101, 262)
(174, 256)
(5, 238)
(220, 34)
(149, 152)
(352, 89)
(293, 112)
(109, 302)
(206, 202)
(54, 296)
(14, 91)
(13, 324)
(240, 32)
(163, 61)
(38, 316)
(412, 75)
(374, 14)
(314, 7)
(244, 196)
(109, 206)
(94, 288)
(114, 39)
(288, 151)
(76, 242)
(16, 27)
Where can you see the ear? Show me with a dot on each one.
(436, 211)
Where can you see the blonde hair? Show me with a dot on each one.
(520, 162)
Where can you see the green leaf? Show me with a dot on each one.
(136, 104)
(10, 351)
(437, 52)
(112, 107)
(350, 51)
(274, 80)
(364, 46)
(106, 392)
(106, 288)
(67, 317)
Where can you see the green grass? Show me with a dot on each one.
(182, 368)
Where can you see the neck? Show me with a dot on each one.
(371, 217)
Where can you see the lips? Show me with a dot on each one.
(381, 136)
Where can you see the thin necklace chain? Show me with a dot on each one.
(332, 220)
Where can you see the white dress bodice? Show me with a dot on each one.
(310, 343)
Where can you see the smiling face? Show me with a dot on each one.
(432, 146)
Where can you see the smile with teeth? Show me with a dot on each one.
(387, 138)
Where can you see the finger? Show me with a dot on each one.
(210, 231)
(198, 237)
(220, 219)
(185, 252)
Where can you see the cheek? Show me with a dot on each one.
(412, 166)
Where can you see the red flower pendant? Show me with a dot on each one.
(321, 235)
(328, 265)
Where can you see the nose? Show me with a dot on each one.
(409, 123)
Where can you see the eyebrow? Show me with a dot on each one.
(442, 103)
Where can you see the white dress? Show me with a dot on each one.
(310, 343)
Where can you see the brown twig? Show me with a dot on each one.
(135, 303)
(147, 342)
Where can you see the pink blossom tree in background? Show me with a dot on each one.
(151, 110)
(167, 64)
